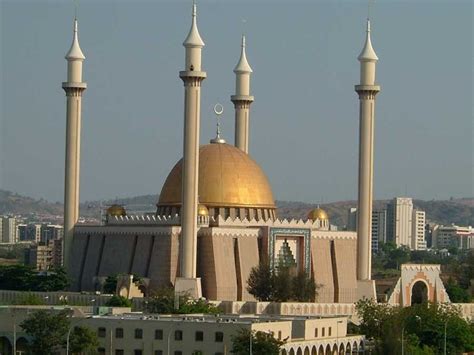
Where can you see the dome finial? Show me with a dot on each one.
(243, 65)
(75, 52)
(368, 53)
(218, 110)
(194, 39)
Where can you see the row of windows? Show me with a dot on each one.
(178, 334)
(323, 331)
(101, 351)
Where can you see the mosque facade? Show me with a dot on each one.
(216, 216)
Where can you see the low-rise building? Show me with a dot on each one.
(43, 256)
(154, 334)
(453, 236)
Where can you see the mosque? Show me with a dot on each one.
(216, 216)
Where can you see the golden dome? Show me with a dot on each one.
(116, 210)
(227, 178)
(202, 210)
(318, 213)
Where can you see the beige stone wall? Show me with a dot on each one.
(346, 264)
(247, 248)
(322, 269)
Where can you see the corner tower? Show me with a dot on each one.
(192, 77)
(367, 90)
(74, 87)
(242, 100)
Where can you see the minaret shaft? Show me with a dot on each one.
(365, 198)
(367, 91)
(74, 87)
(192, 102)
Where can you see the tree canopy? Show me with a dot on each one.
(25, 278)
(262, 343)
(422, 325)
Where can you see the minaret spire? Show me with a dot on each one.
(74, 87)
(367, 91)
(242, 100)
(192, 77)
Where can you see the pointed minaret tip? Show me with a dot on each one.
(75, 52)
(243, 65)
(193, 39)
(368, 53)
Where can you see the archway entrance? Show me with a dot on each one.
(5, 346)
(419, 293)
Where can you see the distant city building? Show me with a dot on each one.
(29, 232)
(404, 224)
(9, 230)
(453, 236)
(51, 232)
(44, 256)
(418, 230)
(379, 226)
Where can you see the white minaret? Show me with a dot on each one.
(367, 91)
(192, 77)
(74, 86)
(242, 100)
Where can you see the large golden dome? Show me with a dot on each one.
(227, 178)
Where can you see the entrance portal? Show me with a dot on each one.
(419, 293)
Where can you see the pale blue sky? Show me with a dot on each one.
(304, 121)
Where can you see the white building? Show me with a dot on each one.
(404, 224)
(9, 230)
(453, 236)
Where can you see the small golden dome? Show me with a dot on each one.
(318, 213)
(116, 210)
(202, 210)
(228, 177)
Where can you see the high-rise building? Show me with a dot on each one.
(9, 230)
(29, 232)
(418, 230)
(405, 225)
(379, 226)
(51, 232)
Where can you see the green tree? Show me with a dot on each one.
(165, 301)
(118, 301)
(423, 327)
(54, 280)
(24, 278)
(282, 284)
(47, 330)
(304, 287)
(262, 343)
(456, 293)
(260, 281)
(110, 284)
(83, 340)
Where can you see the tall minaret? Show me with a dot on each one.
(242, 100)
(74, 86)
(367, 91)
(192, 77)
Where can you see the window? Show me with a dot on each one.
(316, 332)
(158, 352)
(199, 336)
(323, 331)
(138, 352)
(329, 331)
(178, 335)
(159, 334)
(219, 337)
(119, 352)
(138, 333)
(101, 332)
(101, 351)
(178, 352)
(119, 332)
(219, 354)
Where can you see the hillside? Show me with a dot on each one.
(458, 211)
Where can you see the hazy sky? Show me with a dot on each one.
(304, 121)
